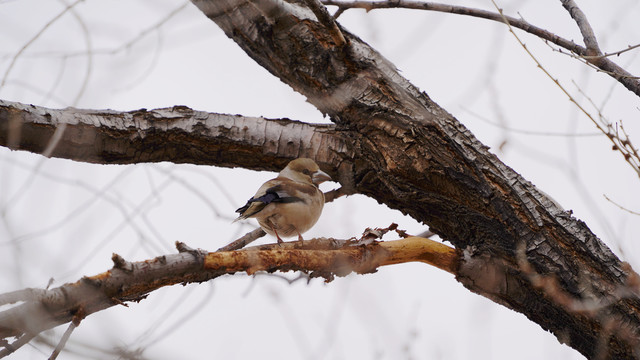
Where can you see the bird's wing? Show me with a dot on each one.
(278, 190)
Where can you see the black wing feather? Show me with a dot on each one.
(273, 194)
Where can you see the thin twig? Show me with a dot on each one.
(89, 46)
(459, 10)
(615, 53)
(77, 318)
(11, 348)
(605, 130)
(588, 36)
(328, 21)
(33, 39)
(602, 63)
(620, 206)
(120, 48)
(630, 149)
(338, 13)
(330, 196)
(244, 241)
(621, 143)
(529, 132)
(588, 61)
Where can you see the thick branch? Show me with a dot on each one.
(133, 281)
(178, 134)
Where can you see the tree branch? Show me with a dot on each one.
(133, 281)
(75, 322)
(588, 36)
(323, 16)
(591, 53)
(244, 240)
(178, 134)
(17, 344)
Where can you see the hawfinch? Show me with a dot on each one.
(291, 203)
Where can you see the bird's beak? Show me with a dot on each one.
(319, 177)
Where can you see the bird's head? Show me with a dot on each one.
(305, 170)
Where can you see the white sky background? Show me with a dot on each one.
(61, 220)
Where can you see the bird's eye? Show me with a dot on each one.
(306, 172)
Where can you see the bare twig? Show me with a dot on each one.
(615, 53)
(89, 68)
(459, 10)
(588, 61)
(330, 196)
(338, 12)
(33, 39)
(588, 36)
(620, 206)
(21, 341)
(617, 135)
(77, 318)
(603, 126)
(111, 51)
(245, 240)
(529, 132)
(601, 62)
(328, 21)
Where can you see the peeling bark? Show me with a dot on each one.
(178, 134)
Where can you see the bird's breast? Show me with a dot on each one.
(289, 219)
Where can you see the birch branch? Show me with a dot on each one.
(177, 134)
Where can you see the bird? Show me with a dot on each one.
(289, 204)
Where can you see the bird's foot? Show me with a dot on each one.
(277, 236)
